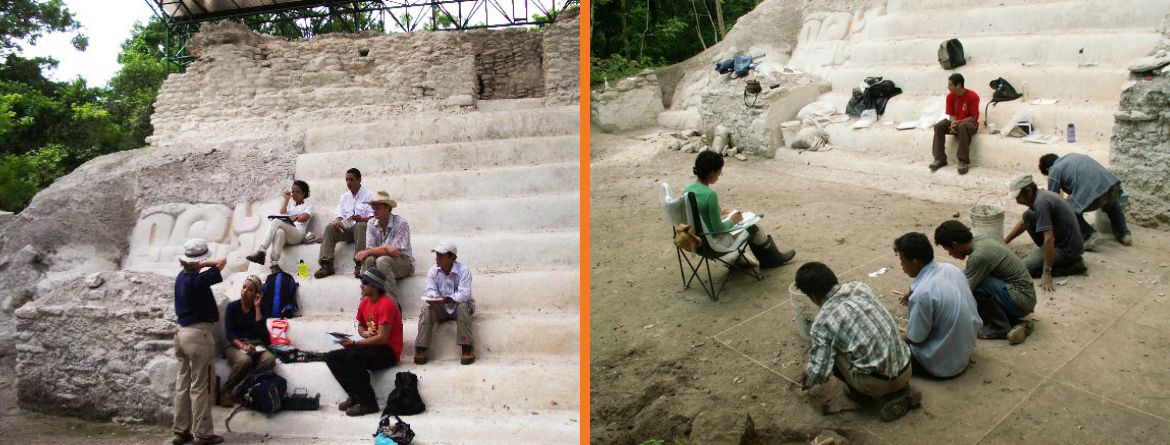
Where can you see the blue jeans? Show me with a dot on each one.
(996, 308)
(1062, 265)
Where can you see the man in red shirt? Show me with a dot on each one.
(962, 121)
(380, 328)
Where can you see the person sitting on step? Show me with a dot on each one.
(708, 169)
(388, 239)
(1004, 292)
(943, 320)
(1052, 224)
(856, 339)
(349, 223)
(380, 327)
(290, 232)
(1090, 186)
(447, 297)
(247, 335)
(962, 121)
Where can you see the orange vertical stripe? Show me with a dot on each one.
(584, 102)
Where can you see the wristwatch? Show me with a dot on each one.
(1048, 268)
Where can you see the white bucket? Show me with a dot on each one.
(805, 310)
(789, 130)
(987, 219)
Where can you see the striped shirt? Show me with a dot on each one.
(853, 322)
(396, 234)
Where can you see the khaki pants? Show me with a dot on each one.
(433, 314)
(395, 268)
(355, 234)
(965, 130)
(195, 350)
(868, 384)
(279, 235)
(244, 363)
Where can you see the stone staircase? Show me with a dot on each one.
(502, 183)
(1033, 44)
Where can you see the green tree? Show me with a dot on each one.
(134, 88)
(28, 20)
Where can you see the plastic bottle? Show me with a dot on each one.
(1072, 133)
(302, 269)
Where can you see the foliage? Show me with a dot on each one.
(28, 20)
(661, 32)
(616, 67)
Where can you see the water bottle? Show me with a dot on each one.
(1072, 133)
(302, 269)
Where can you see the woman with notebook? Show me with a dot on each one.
(287, 228)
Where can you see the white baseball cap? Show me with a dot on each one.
(446, 247)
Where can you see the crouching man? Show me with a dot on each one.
(380, 328)
(855, 338)
(447, 297)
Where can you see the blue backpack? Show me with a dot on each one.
(280, 296)
(262, 392)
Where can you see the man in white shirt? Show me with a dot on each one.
(447, 297)
(388, 236)
(349, 223)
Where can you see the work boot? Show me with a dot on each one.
(468, 355)
(906, 400)
(182, 438)
(346, 404)
(1092, 242)
(1125, 240)
(1021, 331)
(257, 257)
(963, 168)
(325, 270)
(209, 440)
(420, 356)
(361, 409)
(769, 255)
(934, 166)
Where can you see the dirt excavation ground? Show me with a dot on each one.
(668, 363)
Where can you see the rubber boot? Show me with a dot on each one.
(769, 255)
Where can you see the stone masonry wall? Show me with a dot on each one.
(562, 60)
(1140, 148)
(99, 347)
(507, 64)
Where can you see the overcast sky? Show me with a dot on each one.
(108, 24)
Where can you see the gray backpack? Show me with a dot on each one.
(950, 54)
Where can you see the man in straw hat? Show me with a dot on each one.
(380, 328)
(1004, 292)
(197, 312)
(349, 223)
(388, 238)
(447, 297)
(1051, 223)
(856, 339)
(247, 335)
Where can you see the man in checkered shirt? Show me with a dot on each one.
(855, 338)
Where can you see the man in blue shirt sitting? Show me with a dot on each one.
(194, 343)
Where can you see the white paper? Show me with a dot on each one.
(1045, 101)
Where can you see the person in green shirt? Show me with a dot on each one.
(708, 168)
(1003, 289)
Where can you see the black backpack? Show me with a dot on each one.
(404, 399)
(1004, 91)
(280, 296)
(950, 54)
(262, 392)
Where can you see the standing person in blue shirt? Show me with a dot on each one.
(447, 297)
(943, 318)
(194, 343)
(1089, 187)
(247, 336)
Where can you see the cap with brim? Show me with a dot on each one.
(1019, 183)
(195, 249)
(383, 198)
(446, 247)
(374, 277)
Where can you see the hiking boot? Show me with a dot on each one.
(209, 440)
(468, 355)
(182, 438)
(257, 257)
(361, 409)
(1020, 332)
(325, 270)
(1092, 242)
(963, 167)
(905, 401)
(1125, 240)
(857, 397)
(343, 406)
(420, 356)
(934, 166)
(987, 334)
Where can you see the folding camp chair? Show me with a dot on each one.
(684, 209)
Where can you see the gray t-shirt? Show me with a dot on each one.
(1054, 213)
(1082, 177)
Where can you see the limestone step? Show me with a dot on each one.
(445, 128)
(1105, 47)
(1036, 82)
(559, 211)
(1069, 17)
(554, 290)
(486, 252)
(458, 426)
(509, 104)
(491, 383)
(1093, 119)
(508, 181)
(987, 151)
(331, 166)
(527, 334)
(905, 6)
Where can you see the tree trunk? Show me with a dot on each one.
(719, 16)
(625, 32)
(646, 30)
(698, 28)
